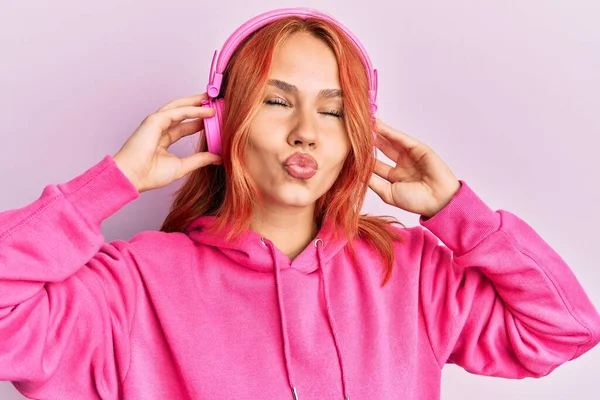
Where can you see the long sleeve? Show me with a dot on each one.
(496, 298)
(67, 298)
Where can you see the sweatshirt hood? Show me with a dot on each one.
(260, 254)
(250, 249)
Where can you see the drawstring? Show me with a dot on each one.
(336, 338)
(286, 342)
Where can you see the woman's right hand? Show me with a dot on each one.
(144, 158)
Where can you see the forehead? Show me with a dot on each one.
(306, 62)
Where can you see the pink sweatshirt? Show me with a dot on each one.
(190, 316)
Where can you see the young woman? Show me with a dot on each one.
(265, 282)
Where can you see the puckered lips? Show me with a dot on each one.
(301, 166)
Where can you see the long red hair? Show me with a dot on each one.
(227, 191)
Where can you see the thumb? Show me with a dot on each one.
(198, 160)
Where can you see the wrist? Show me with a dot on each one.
(129, 175)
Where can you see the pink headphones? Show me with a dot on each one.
(212, 125)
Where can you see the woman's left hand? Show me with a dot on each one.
(420, 182)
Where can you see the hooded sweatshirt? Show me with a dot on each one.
(192, 316)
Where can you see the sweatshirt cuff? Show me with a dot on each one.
(100, 191)
(464, 222)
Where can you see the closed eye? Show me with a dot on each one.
(277, 102)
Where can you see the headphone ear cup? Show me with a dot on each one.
(212, 126)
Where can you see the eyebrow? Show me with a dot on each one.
(288, 87)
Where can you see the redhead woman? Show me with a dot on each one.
(265, 281)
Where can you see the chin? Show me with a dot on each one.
(296, 201)
(295, 197)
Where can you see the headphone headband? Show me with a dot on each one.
(216, 71)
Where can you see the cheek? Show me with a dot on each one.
(256, 161)
(259, 150)
(265, 135)
(340, 149)
(262, 164)
(339, 154)
(263, 153)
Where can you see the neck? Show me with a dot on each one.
(290, 229)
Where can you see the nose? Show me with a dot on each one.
(304, 133)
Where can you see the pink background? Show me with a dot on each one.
(505, 92)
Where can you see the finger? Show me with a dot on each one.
(180, 130)
(386, 147)
(382, 188)
(198, 160)
(168, 118)
(395, 136)
(194, 100)
(382, 169)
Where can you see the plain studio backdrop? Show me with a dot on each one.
(506, 92)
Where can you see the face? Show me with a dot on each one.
(300, 113)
